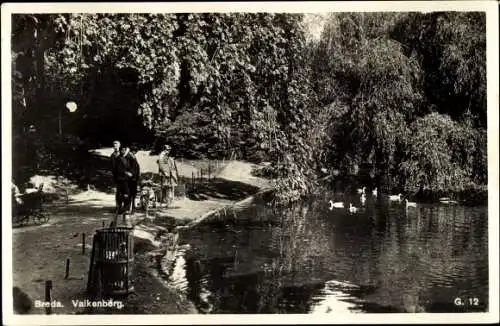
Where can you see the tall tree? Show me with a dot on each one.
(370, 86)
(452, 50)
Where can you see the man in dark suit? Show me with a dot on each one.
(114, 158)
(136, 171)
(124, 173)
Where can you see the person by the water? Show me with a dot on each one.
(169, 174)
(124, 173)
(136, 173)
(114, 158)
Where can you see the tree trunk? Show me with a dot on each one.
(383, 180)
(39, 56)
(183, 86)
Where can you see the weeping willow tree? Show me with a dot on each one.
(404, 93)
(452, 124)
(439, 156)
(370, 87)
(451, 47)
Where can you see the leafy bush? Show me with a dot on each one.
(382, 78)
(433, 153)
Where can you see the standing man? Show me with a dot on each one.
(114, 159)
(168, 174)
(124, 173)
(136, 174)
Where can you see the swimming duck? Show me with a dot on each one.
(395, 197)
(363, 199)
(410, 204)
(353, 209)
(446, 200)
(336, 205)
(361, 190)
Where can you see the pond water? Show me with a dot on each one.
(308, 259)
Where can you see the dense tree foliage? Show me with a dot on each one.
(406, 96)
(452, 51)
(372, 88)
(399, 93)
(440, 154)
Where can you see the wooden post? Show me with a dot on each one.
(115, 221)
(48, 296)
(192, 180)
(60, 122)
(91, 266)
(83, 243)
(66, 275)
(103, 223)
(209, 171)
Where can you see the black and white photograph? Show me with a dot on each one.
(217, 162)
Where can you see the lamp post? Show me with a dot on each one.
(71, 107)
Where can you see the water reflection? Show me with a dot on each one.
(308, 259)
(335, 297)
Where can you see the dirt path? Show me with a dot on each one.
(148, 163)
(242, 172)
(225, 169)
(235, 179)
(40, 252)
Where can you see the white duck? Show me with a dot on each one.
(446, 200)
(395, 197)
(361, 190)
(353, 209)
(336, 205)
(363, 199)
(410, 204)
(375, 192)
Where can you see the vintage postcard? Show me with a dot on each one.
(250, 162)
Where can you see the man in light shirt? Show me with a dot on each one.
(168, 173)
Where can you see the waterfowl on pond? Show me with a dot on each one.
(353, 209)
(395, 197)
(447, 200)
(410, 204)
(336, 205)
(361, 190)
(363, 199)
(375, 192)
